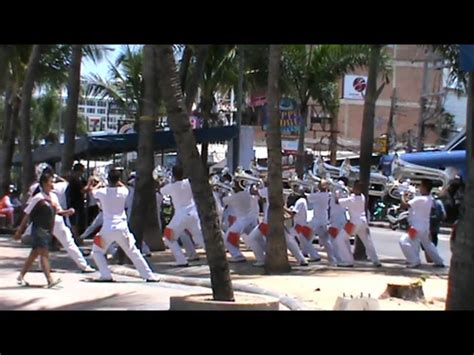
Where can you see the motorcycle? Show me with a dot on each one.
(397, 218)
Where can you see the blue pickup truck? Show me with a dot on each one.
(453, 155)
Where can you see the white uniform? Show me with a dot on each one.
(115, 229)
(419, 218)
(303, 231)
(355, 204)
(256, 240)
(185, 221)
(242, 206)
(320, 203)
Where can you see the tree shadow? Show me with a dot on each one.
(116, 300)
(9, 305)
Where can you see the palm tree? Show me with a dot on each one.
(276, 259)
(26, 154)
(367, 134)
(73, 88)
(312, 71)
(461, 273)
(144, 213)
(189, 155)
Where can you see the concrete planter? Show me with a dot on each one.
(243, 302)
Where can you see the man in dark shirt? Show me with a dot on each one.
(75, 195)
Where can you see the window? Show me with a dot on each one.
(90, 110)
(81, 109)
(101, 103)
(82, 102)
(101, 110)
(90, 103)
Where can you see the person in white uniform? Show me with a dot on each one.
(337, 218)
(419, 231)
(302, 229)
(256, 240)
(242, 205)
(185, 221)
(115, 229)
(357, 225)
(320, 202)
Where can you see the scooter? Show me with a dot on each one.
(397, 218)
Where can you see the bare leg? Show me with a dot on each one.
(29, 262)
(44, 254)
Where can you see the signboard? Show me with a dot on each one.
(354, 87)
(290, 146)
(94, 123)
(289, 121)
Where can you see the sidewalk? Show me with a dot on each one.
(316, 286)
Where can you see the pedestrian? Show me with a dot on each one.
(41, 210)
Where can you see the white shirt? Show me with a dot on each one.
(255, 208)
(320, 202)
(181, 194)
(356, 206)
(112, 201)
(301, 209)
(59, 188)
(337, 215)
(419, 212)
(240, 203)
(31, 190)
(42, 196)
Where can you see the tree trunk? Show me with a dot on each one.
(28, 171)
(276, 259)
(461, 273)
(300, 158)
(73, 90)
(144, 219)
(184, 67)
(367, 137)
(12, 107)
(333, 141)
(179, 123)
(4, 56)
(192, 86)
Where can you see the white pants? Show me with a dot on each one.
(96, 223)
(64, 235)
(256, 241)
(411, 247)
(343, 245)
(181, 221)
(325, 240)
(306, 244)
(126, 241)
(234, 231)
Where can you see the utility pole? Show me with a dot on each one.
(390, 127)
(423, 102)
(240, 89)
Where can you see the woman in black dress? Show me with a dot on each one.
(41, 211)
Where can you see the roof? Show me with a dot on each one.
(96, 146)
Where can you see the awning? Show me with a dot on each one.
(96, 146)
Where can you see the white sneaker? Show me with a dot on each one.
(258, 264)
(88, 269)
(413, 266)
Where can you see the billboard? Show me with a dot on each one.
(290, 117)
(354, 87)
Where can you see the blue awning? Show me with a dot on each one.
(97, 146)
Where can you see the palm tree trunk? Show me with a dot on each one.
(276, 259)
(191, 88)
(300, 158)
(184, 67)
(12, 106)
(367, 136)
(4, 54)
(461, 273)
(73, 88)
(144, 219)
(186, 143)
(28, 172)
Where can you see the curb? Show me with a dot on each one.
(291, 303)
